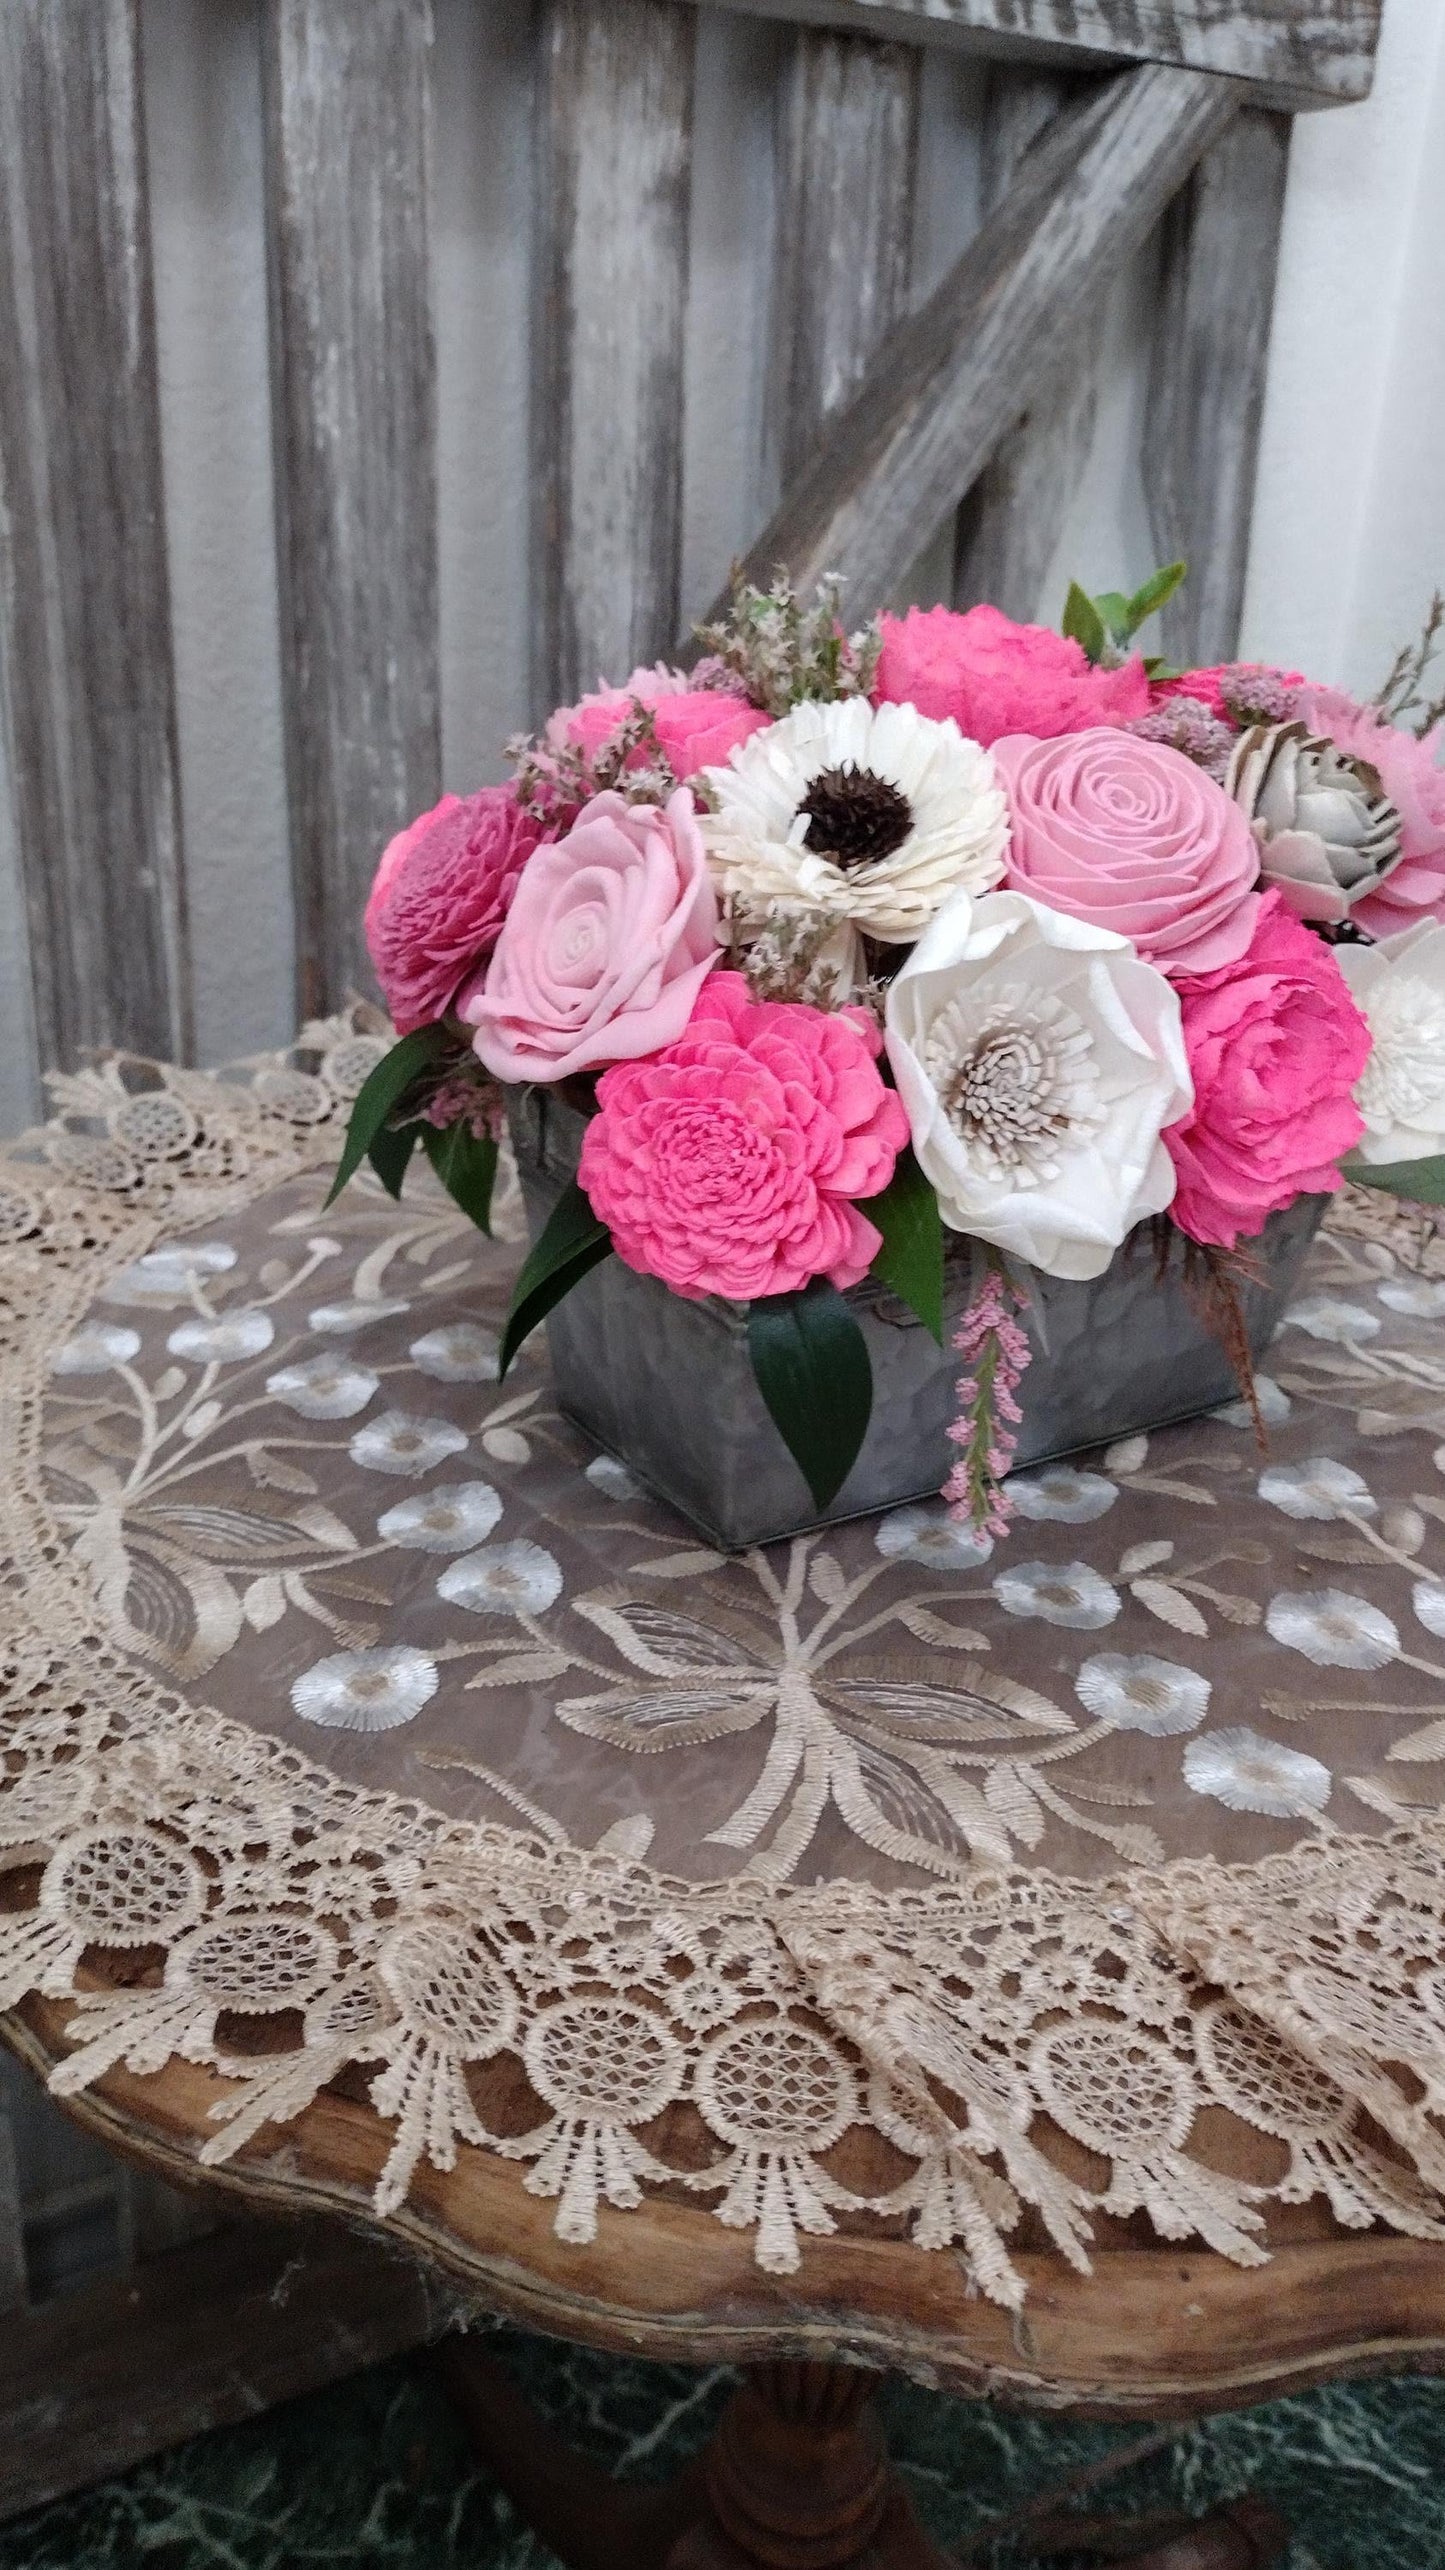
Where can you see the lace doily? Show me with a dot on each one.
(352, 1701)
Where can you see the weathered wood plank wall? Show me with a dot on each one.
(613, 204)
(353, 372)
(85, 641)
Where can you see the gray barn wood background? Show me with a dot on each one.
(377, 374)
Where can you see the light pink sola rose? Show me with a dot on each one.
(994, 676)
(1414, 781)
(729, 1164)
(439, 897)
(610, 935)
(696, 727)
(1275, 1045)
(1135, 837)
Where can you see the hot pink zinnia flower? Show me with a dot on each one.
(1414, 780)
(696, 727)
(994, 676)
(729, 1163)
(439, 897)
(1275, 1045)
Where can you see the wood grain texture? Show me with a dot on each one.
(85, 647)
(1219, 255)
(95, 2381)
(949, 381)
(348, 143)
(847, 161)
(1009, 524)
(1303, 53)
(1154, 2332)
(615, 137)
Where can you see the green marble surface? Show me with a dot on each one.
(375, 2473)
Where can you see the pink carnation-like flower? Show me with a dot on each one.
(1135, 837)
(605, 947)
(729, 1164)
(1414, 781)
(696, 727)
(1275, 1044)
(439, 897)
(994, 676)
(1224, 687)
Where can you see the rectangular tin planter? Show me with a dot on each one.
(667, 1385)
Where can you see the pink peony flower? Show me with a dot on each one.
(1414, 780)
(994, 676)
(1227, 685)
(439, 897)
(1275, 1044)
(696, 726)
(728, 1164)
(1132, 835)
(607, 943)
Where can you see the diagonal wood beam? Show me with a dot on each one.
(951, 379)
(1300, 53)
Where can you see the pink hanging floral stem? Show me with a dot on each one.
(996, 1352)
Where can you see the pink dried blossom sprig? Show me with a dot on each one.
(1253, 695)
(1187, 724)
(996, 1352)
(469, 1097)
(555, 778)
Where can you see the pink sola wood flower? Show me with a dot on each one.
(996, 1353)
(729, 1162)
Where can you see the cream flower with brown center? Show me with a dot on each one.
(866, 816)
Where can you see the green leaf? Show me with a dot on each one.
(1159, 667)
(1421, 1182)
(1155, 592)
(571, 1240)
(1083, 623)
(382, 1093)
(811, 1363)
(466, 1167)
(911, 1258)
(389, 1152)
(1115, 609)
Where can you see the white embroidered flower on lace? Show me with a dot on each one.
(1420, 1298)
(1159, 1697)
(932, 1538)
(165, 1275)
(95, 1349)
(337, 1320)
(1071, 1498)
(1428, 1600)
(1274, 1407)
(462, 1352)
(1400, 987)
(366, 1690)
(1333, 1628)
(866, 815)
(1038, 1061)
(449, 1520)
(1318, 1488)
(398, 1442)
(612, 1478)
(224, 1341)
(1069, 1593)
(323, 1387)
(1242, 1769)
(1324, 1316)
(503, 1579)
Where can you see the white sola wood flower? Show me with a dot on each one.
(869, 816)
(1400, 987)
(1038, 1061)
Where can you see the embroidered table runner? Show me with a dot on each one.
(873, 1879)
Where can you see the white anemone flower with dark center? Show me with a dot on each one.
(863, 816)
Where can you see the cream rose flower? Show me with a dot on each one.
(1399, 986)
(1038, 1061)
(869, 816)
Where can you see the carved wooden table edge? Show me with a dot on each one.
(1155, 2333)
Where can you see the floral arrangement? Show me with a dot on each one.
(850, 942)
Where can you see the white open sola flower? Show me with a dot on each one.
(1399, 986)
(866, 815)
(1038, 1061)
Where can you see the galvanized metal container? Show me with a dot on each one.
(667, 1385)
